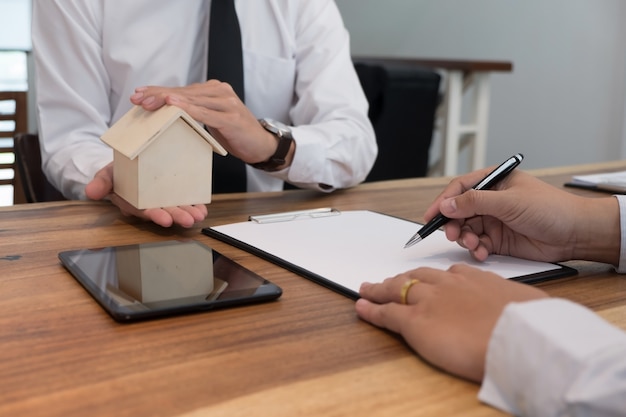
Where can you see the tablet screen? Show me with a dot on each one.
(163, 278)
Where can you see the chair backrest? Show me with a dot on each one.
(403, 103)
(13, 120)
(35, 185)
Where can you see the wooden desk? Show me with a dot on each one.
(304, 355)
(461, 76)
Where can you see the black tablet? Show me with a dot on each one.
(151, 280)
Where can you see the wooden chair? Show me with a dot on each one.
(18, 115)
(36, 187)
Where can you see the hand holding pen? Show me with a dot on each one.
(486, 183)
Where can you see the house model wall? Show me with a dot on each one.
(162, 158)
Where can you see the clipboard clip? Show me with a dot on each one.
(293, 215)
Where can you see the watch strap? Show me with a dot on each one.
(284, 138)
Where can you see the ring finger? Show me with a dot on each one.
(393, 290)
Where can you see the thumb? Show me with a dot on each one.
(101, 185)
(474, 203)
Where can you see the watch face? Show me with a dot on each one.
(274, 126)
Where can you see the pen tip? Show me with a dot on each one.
(412, 242)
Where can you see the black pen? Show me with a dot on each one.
(489, 181)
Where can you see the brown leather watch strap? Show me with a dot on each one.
(284, 138)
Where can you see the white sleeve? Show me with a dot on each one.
(335, 139)
(552, 357)
(72, 92)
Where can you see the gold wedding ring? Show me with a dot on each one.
(404, 292)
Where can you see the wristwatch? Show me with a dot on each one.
(284, 138)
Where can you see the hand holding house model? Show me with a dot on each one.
(161, 158)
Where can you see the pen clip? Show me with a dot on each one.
(500, 172)
(292, 215)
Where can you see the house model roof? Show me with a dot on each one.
(138, 128)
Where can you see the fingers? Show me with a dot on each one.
(487, 202)
(185, 216)
(466, 205)
(149, 99)
(210, 94)
(460, 201)
(457, 186)
(216, 112)
(216, 105)
(470, 235)
(391, 289)
(473, 214)
(389, 316)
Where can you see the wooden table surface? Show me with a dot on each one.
(306, 354)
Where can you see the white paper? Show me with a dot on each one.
(617, 179)
(358, 246)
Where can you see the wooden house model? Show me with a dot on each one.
(161, 158)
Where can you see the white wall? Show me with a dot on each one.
(564, 101)
(15, 24)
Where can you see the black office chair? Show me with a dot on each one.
(28, 160)
(403, 102)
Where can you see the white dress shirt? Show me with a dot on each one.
(91, 55)
(553, 357)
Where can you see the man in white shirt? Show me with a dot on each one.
(91, 56)
(535, 355)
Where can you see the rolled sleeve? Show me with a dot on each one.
(553, 357)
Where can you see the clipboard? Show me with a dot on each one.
(608, 182)
(605, 188)
(342, 249)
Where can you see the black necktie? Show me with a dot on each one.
(226, 64)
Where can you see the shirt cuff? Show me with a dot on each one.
(538, 352)
(621, 199)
